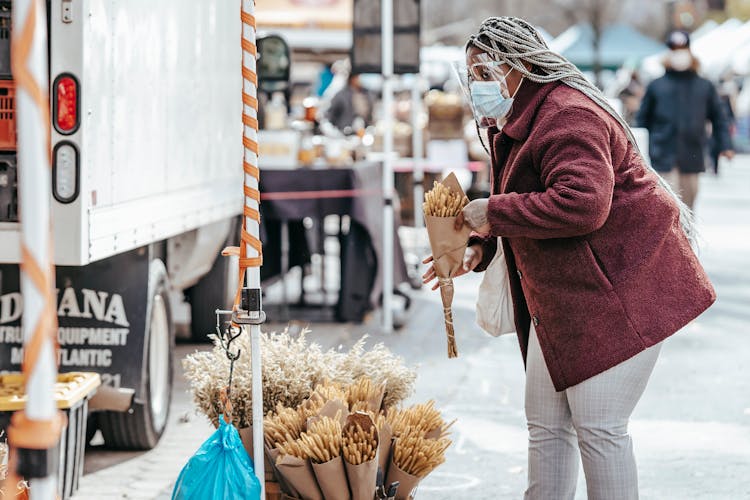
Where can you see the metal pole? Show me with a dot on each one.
(417, 151)
(40, 416)
(388, 184)
(252, 224)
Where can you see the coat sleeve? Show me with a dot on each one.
(719, 120)
(489, 248)
(574, 159)
(643, 118)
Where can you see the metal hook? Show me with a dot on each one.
(225, 340)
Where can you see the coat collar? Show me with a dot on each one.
(528, 99)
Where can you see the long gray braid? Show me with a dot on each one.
(514, 42)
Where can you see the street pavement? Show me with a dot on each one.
(691, 429)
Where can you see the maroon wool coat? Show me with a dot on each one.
(595, 252)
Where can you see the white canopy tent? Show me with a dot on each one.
(704, 29)
(716, 52)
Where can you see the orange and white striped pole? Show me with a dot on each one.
(35, 431)
(248, 310)
(252, 255)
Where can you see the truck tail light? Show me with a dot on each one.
(65, 104)
(65, 172)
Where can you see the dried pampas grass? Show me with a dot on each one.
(292, 368)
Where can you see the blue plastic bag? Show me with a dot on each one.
(219, 470)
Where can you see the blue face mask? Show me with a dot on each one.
(490, 106)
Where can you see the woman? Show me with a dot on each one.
(598, 252)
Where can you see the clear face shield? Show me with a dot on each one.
(483, 82)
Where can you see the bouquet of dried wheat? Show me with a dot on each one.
(419, 446)
(338, 456)
(441, 207)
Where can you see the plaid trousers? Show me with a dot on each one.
(591, 417)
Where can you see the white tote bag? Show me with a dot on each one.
(495, 304)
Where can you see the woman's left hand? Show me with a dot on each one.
(474, 215)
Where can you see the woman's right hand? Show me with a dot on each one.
(472, 258)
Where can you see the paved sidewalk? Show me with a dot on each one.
(691, 429)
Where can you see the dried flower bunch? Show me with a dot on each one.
(281, 426)
(292, 368)
(299, 436)
(294, 448)
(381, 366)
(424, 418)
(440, 201)
(322, 441)
(442, 206)
(417, 455)
(359, 446)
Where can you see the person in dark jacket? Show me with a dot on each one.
(597, 251)
(675, 110)
(348, 104)
(727, 91)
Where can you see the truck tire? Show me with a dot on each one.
(142, 427)
(215, 290)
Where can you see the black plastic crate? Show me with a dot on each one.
(73, 400)
(8, 188)
(5, 21)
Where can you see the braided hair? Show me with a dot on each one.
(514, 42)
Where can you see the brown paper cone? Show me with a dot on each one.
(272, 455)
(334, 406)
(451, 182)
(376, 402)
(331, 477)
(384, 447)
(300, 476)
(447, 245)
(362, 479)
(407, 482)
(246, 436)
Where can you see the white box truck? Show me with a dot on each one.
(147, 188)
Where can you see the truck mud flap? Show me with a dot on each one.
(101, 312)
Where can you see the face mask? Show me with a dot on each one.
(491, 107)
(681, 60)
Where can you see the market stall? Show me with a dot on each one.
(353, 194)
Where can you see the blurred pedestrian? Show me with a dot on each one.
(675, 110)
(349, 104)
(727, 94)
(598, 254)
(631, 96)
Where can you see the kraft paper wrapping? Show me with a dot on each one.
(246, 436)
(299, 475)
(362, 477)
(331, 477)
(448, 247)
(384, 447)
(335, 407)
(407, 482)
(272, 455)
(376, 402)
(331, 409)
